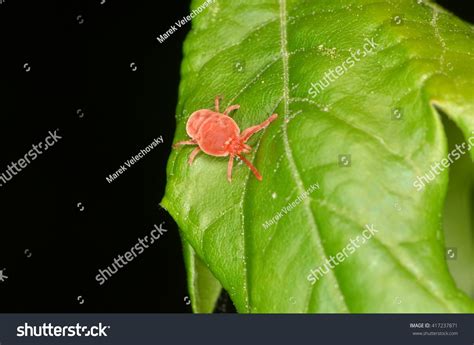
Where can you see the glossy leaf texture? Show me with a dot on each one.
(363, 140)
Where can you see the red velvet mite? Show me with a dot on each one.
(219, 135)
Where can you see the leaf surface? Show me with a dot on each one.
(363, 140)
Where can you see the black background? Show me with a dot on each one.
(88, 66)
(86, 69)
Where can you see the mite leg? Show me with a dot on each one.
(186, 142)
(231, 108)
(254, 170)
(246, 134)
(229, 168)
(193, 155)
(216, 102)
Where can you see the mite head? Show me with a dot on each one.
(237, 146)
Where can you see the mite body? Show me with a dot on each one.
(217, 134)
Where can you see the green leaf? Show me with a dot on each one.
(458, 225)
(203, 287)
(382, 111)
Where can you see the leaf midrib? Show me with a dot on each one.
(292, 165)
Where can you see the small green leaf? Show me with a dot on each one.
(203, 287)
(458, 225)
(364, 139)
